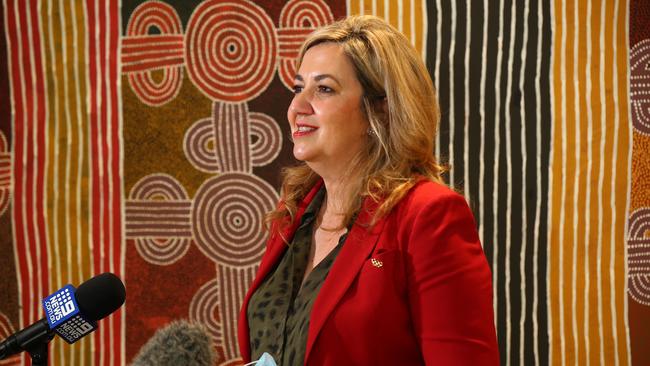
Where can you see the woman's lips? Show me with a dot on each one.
(302, 130)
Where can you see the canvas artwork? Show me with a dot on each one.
(146, 139)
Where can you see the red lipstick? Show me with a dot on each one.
(303, 130)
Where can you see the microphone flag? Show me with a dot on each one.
(64, 317)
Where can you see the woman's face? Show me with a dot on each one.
(327, 124)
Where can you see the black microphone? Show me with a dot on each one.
(69, 313)
(180, 343)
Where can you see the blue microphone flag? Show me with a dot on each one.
(64, 317)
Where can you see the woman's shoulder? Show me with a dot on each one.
(426, 192)
(428, 197)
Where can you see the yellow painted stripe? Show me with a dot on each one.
(406, 18)
(592, 339)
(56, 215)
(82, 171)
(412, 22)
(557, 163)
(380, 9)
(354, 7)
(591, 144)
(67, 171)
(393, 12)
(419, 16)
(621, 189)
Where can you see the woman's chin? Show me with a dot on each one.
(302, 155)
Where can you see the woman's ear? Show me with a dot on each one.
(381, 106)
(384, 105)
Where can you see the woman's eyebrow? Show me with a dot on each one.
(318, 77)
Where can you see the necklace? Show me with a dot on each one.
(321, 216)
(320, 226)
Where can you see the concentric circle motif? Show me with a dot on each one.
(638, 248)
(297, 19)
(640, 86)
(227, 218)
(204, 308)
(200, 148)
(266, 138)
(156, 188)
(230, 49)
(7, 329)
(163, 18)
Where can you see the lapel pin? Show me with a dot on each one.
(376, 263)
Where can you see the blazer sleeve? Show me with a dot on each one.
(450, 285)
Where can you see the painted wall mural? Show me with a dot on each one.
(146, 137)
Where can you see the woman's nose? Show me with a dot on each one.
(301, 104)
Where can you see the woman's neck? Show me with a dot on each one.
(340, 182)
(336, 203)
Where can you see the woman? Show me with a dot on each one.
(371, 259)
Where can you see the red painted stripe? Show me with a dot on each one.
(288, 54)
(168, 226)
(15, 52)
(295, 44)
(151, 56)
(168, 47)
(132, 212)
(116, 208)
(94, 150)
(132, 220)
(158, 234)
(40, 146)
(94, 116)
(26, 179)
(37, 288)
(130, 41)
(155, 222)
(153, 65)
(151, 46)
(291, 32)
(104, 245)
(27, 193)
(146, 206)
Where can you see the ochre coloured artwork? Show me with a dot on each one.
(146, 138)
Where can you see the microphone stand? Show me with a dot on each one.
(39, 350)
(33, 339)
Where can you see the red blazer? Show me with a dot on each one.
(415, 289)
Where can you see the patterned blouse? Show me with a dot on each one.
(279, 311)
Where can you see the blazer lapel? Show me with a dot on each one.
(357, 248)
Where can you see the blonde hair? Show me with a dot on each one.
(400, 143)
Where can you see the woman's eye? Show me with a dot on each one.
(297, 89)
(325, 89)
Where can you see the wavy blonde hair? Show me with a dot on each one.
(400, 104)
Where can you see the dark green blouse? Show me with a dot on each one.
(279, 310)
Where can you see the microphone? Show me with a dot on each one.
(70, 313)
(180, 343)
